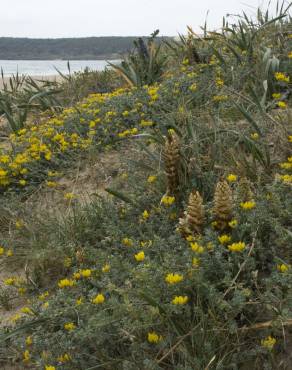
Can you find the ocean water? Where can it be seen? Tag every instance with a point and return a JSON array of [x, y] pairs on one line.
[[48, 67]]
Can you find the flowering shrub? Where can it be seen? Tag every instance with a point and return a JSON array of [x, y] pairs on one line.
[[188, 264]]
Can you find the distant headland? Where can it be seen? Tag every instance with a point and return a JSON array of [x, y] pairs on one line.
[[88, 48]]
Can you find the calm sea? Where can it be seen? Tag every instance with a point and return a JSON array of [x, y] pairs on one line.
[[48, 67]]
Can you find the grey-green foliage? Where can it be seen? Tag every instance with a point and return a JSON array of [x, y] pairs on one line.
[[22, 95], [145, 64]]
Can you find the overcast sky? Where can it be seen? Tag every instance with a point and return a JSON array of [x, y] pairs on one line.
[[81, 18]]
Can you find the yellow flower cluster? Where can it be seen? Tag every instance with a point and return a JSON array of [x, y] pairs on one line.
[[69, 326], [236, 247], [127, 133], [180, 300], [224, 239], [287, 178], [127, 242], [153, 337], [64, 358], [167, 200], [65, 283], [268, 342], [248, 205], [98, 299], [173, 278], [153, 93], [151, 179], [282, 104], [231, 177], [51, 138], [197, 248], [283, 267], [219, 98], [139, 257], [280, 76]]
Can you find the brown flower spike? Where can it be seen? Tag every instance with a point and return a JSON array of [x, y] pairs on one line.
[[223, 205], [192, 222]]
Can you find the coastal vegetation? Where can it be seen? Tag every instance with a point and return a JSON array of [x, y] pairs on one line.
[[145, 211]]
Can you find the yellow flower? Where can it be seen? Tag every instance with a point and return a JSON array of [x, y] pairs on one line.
[[248, 205], [27, 310], [193, 87], [69, 196], [290, 55], [69, 326], [167, 200], [173, 278], [127, 242], [28, 341], [231, 177], [154, 337], [254, 136], [268, 342], [22, 182], [276, 96], [223, 239], [186, 62], [196, 262], [145, 215], [282, 105], [49, 367], [64, 283], [233, 223], [282, 267], [180, 300], [237, 247], [51, 184], [280, 76], [218, 98], [79, 301], [210, 246], [85, 273], [144, 123], [197, 248], [286, 165], [10, 281], [21, 291], [76, 276], [99, 299], [219, 82], [106, 268], [64, 358], [26, 356], [139, 257], [19, 224], [151, 179], [2, 251], [9, 253]]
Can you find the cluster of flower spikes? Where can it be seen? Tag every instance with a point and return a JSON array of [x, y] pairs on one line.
[[193, 220]]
